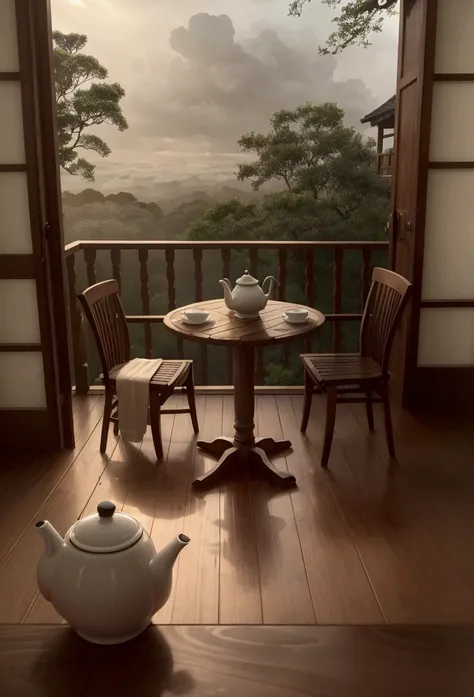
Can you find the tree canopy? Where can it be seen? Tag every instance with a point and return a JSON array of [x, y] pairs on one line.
[[327, 172], [355, 22], [79, 108]]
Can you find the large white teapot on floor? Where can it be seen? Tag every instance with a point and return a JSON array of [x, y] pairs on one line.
[[247, 298], [105, 577]]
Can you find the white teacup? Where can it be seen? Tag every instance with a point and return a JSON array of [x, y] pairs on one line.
[[296, 314], [195, 316]]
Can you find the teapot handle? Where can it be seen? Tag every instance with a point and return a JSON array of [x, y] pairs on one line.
[[270, 278]]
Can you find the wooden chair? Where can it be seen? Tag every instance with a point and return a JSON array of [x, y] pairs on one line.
[[344, 377], [104, 311]]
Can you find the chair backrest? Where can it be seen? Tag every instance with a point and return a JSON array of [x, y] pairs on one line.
[[104, 311], [388, 296]]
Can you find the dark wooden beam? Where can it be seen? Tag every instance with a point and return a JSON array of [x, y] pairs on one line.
[[12, 168], [19, 348], [454, 77], [17, 266], [447, 303], [12, 76], [451, 165]]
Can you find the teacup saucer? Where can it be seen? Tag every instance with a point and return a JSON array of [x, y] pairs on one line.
[[193, 322], [294, 321]]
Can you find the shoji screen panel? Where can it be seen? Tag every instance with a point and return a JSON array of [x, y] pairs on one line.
[[446, 333], [26, 367]]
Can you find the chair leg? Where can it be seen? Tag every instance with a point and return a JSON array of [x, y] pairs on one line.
[[329, 428], [192, 400], [106, 419], [308, 398], [155, 422], [388, 421], [370, 410]]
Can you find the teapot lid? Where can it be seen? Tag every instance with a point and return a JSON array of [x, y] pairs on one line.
[[247, 280], [105, 531]]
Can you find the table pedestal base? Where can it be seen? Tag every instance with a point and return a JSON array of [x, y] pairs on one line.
[[234, 457]]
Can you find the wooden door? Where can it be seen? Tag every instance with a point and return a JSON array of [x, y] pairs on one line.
[[412, 134], [35, 389]]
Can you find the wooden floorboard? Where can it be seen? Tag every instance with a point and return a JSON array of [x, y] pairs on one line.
[[286, 596], [271, 661], [341, 590], [240, 598], [368, 541]]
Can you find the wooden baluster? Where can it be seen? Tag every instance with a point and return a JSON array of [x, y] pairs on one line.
[[197, 256], [79, 349], [282, 274], [337, 295], [282, 259], [225, 253], [145, 296], [115, 257], [253, 258], [366, 275], [198, 278], [90, 257], [170, 277], [309, 289]]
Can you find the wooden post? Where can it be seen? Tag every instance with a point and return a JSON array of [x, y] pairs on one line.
[[115, 257], [337, 297], [170, 277], [79, 350], [244, 405], [145, 296], [309, 289], [366, 276], [380, 132]]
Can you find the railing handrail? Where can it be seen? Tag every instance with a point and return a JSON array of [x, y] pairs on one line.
[[74, 247], [309, 250]]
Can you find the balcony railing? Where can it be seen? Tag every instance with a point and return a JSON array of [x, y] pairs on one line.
[[385, 163], [332, 276]]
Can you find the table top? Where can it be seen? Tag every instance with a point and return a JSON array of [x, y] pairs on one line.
[[255, 661], [223, 327]]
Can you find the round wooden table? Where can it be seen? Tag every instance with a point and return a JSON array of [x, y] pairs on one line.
[[243, 336]]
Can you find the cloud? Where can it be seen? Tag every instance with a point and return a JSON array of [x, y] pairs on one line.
[[216, 88]]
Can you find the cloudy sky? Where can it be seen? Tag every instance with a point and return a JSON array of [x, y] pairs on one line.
[[200, 73]]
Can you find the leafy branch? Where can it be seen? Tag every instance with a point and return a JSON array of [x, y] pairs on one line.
[[358, 19]]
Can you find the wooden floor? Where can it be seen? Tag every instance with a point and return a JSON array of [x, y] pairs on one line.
[[46, 661], [365, 542]]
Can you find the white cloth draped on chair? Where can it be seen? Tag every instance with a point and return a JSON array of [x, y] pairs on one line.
[[133, 395]]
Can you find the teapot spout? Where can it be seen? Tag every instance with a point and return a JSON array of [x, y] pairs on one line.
[[162, 563], [52, 539], [229, 301], [53, 545]]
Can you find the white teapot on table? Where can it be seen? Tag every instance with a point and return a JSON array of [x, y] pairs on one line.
[[105, 577], [247, 298]]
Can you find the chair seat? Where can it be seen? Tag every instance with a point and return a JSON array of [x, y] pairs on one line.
[[341, 368], [170, 374]]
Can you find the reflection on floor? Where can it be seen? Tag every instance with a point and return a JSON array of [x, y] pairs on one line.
[[365, 542]]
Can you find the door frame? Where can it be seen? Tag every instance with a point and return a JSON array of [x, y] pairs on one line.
[[423, 74]]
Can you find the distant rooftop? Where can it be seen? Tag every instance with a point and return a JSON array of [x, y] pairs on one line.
[[383, 115]]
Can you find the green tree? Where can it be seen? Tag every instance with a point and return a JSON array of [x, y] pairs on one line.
[[330, 191], [330, 186], [79, 108], [356, 21]]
